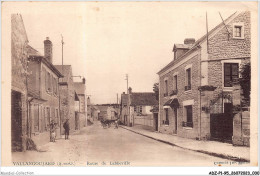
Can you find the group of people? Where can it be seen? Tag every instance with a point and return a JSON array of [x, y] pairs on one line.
[[53, 127]]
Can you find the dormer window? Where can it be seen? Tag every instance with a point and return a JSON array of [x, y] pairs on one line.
[[238, 31]]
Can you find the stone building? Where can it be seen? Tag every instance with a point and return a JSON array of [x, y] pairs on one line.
[[196, 90], [140, 106], [67, 96], [19, 54], [43, 93], [81, 116]]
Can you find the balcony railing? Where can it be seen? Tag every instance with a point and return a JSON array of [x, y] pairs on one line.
[[174, 92], [188, 87], [187, 124]]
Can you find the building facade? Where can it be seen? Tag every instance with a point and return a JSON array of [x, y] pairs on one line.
[[140, 106], [19, 55], [43, 93], [67, 96], [197, 90], [81, 115]]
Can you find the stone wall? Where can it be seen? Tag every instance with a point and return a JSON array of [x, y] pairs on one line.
[[241, 129], [19, 56], [223, 47]]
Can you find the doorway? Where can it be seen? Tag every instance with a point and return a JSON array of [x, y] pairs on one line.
[[155, 119], [16, 121], [175, 120]]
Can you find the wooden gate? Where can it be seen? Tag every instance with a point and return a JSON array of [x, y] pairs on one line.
[[221, 125]]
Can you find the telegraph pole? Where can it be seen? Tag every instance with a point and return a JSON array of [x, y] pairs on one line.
[[62, 43], [128, 102]]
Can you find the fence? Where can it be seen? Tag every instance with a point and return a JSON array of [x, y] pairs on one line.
[[144, 120]]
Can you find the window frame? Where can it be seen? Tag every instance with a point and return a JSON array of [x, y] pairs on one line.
[[230, 74], [166, 121], [241, 25], [184, 122], [166, 87], [187, 85], [238, 61]]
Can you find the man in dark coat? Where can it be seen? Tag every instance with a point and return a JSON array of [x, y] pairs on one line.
[[66, 126]]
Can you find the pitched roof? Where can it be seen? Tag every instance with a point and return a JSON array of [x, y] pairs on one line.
[[79, 87], [140, 98], [182, 46], [65, 71], [102, 108], [32, 52], [143, 98], [204, 37]]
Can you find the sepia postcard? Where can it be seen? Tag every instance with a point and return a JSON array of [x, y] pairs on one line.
[[127, 84]]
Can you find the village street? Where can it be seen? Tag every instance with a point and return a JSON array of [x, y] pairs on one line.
[[94, 146]]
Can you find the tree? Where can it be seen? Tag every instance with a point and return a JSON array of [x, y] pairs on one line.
[[156, 90], [245, 83]]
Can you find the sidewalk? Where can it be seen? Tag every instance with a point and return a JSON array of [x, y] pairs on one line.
[[219, 149]]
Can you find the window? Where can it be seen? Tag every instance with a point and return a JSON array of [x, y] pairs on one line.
[[188, 79], [189, 120], [230, 73], [175, 82], [48, 116], [166, 113], [55, 90], [138, 109], [238, 31], [166, 88], [48, 81], [57, 117]]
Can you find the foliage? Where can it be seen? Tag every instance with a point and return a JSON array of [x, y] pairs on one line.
[[156, 90], [245, 83]]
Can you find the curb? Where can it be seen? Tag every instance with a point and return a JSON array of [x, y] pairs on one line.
[[237, 159]]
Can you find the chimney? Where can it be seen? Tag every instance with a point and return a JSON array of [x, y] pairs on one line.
[[130, 90], [189, 41], [83, 80], [48, 49]]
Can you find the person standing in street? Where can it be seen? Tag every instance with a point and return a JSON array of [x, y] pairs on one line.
[[53, 131], [66, 126]]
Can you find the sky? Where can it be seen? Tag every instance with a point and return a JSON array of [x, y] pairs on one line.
[[104, 41]]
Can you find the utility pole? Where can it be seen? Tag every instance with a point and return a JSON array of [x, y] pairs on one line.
[[62, 43], [128, 102]]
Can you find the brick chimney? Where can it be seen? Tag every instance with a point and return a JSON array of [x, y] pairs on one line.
[[189, 41], [48, 49], [130, 90]]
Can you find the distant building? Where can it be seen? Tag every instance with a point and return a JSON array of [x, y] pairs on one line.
[[67, 96], [140, 106], [43, 92], [19, 56], [197, 90], [107, 112], [81, 114]]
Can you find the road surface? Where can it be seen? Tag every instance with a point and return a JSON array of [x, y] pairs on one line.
[[95, 146]]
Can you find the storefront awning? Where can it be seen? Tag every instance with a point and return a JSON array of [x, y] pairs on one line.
[[171, 103]]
